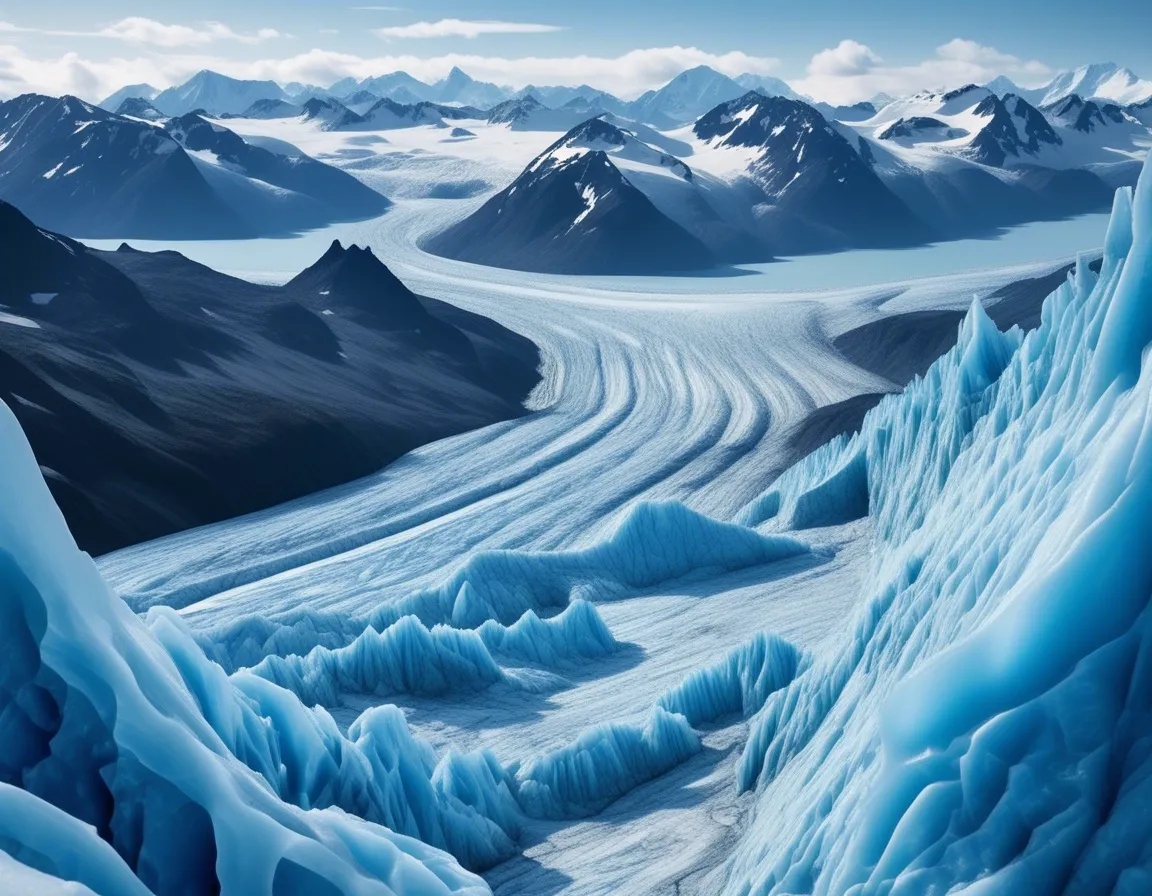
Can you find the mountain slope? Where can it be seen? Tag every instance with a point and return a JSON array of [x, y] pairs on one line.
[[90, 173], [159, 394], [685, 98], [216, 94], [143, 91], [816, 190], [572, 210]]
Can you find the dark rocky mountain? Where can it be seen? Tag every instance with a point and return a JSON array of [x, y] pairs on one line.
[[526, 113], [917, 126], [388, 113], [1085, 116], [88, 172], [159, 394], [1015, 128], [817, 191], [270, 108], [138, 107], [332, 114], [243, 174], [573, 211]]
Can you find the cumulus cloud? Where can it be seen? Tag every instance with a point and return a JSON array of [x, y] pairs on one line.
[[627, 75], [846, 59], [851, 71], [462, 28], [140, 30]]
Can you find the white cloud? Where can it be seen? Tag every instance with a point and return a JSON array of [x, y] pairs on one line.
[[851, 71], [627, 76], [144, 31], [845, 59], [462, 28]]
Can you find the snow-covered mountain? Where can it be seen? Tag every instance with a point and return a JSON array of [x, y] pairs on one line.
[[685, 98], [1104, 81], [767, 85], [216, 94], [360, 101], [388, 114], [461, 89], [399, 86], [817, 190], [273, 191], [572, 97], [331, 114], [88, 172], [144, 91], [573, 210], [526, 113], [1007, 131]]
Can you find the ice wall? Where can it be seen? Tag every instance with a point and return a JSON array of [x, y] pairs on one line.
[[739, 683], [603, 764], [128, 756], [985, 725]]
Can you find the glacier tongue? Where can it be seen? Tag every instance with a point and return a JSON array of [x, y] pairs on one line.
[[985, 724]]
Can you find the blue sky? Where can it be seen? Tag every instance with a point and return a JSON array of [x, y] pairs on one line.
[[835, 50]]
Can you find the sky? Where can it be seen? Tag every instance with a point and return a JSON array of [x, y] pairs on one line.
[[834, 51]]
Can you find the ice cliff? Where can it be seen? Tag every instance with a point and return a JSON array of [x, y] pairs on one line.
[[985, 724]]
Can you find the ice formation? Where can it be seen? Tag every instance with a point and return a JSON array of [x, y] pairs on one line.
[[408, 658], [985, 726], [739, 683], [602, 764], [655, 542], [132, 764]]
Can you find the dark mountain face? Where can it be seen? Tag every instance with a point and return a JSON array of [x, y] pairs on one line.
[[91, 173], [138, 107], [913, 126], [333, 114], [574, 213], [159, 394], [271, 108], [1016, 128], [1085, 116], [820, 193]]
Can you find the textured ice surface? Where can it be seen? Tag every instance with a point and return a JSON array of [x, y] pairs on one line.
[[985, 722], [655, 542], [602, 764], [127, 753], [739, 683]]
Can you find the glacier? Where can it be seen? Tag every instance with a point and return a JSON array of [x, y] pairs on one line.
[[984, 725], [978, 722]]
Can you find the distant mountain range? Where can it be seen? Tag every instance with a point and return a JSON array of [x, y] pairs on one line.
[[681, 101], [1100, 81], [764, 176], [87, 172], [159, 394]]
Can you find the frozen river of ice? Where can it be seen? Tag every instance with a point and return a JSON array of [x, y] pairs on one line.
[[658, 388]]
